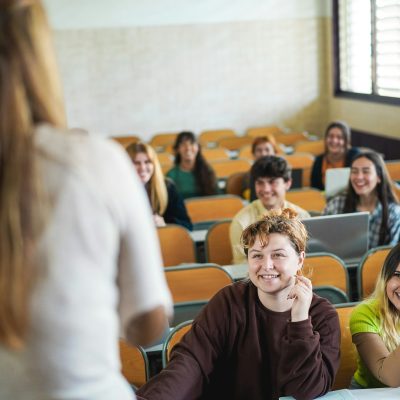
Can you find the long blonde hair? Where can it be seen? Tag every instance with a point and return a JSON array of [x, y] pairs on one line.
[[29, 94], [157, 188], [389, 315]]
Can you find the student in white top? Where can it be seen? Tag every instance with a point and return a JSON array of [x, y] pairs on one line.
[[79, 259]]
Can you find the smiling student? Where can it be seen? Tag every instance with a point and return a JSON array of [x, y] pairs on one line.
[[192, 174], [370, 189], [375, 329], [166, 203], [263, 338], [338, 152], [272, 177]]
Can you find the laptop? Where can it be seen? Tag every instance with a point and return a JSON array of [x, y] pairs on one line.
[[336, 180], [345, 235]]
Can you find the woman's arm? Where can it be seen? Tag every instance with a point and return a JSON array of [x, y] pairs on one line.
[[194, 358], [316, 173], [310, 353], [382, 364], [176, 212]]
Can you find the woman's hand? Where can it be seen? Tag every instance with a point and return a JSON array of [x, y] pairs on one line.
[[159, 220], [302, 295]]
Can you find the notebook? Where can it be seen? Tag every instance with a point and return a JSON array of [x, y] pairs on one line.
[[345, 235], [336, 180]]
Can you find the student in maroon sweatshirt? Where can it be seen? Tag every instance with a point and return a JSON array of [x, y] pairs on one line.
[[266, 337]]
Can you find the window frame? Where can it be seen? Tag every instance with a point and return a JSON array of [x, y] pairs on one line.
[[337, 91]]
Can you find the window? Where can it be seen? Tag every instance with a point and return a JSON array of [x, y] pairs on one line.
[[367, 49]]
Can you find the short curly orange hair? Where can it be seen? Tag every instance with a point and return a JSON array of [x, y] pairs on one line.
[[284, 222]]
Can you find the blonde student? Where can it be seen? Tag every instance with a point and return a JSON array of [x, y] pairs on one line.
[[375, 327]]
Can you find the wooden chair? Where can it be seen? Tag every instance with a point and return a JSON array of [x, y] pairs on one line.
[[303, 161], [393, 168], [369, 268], [224, 168], [234, 183], [174, 337], [165, 158], [289, 139], [196, 282], [192, 286], [326, 269], [218, 245], [210, 137], [217, 153], [315, 147], [125, 141], [213, 208], [135, 364], [162, 139], [176, 244], [331, 293], [307, 198], [235, 142], [348, 352], [264, 131]]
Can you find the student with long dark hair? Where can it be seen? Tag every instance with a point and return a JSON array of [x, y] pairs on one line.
[[192, 174], [370, 189], [78, 260], [375, 328], [338, 152]]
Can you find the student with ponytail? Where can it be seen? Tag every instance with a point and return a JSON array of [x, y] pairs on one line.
[[74, 270]]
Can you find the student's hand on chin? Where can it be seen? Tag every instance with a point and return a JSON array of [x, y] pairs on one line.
[[302, 295]]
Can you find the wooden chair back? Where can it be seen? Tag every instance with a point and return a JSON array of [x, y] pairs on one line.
[[315, 147], [224, 168], [289, 139], [125, 141], [235, 142], [234, 183], [218, 245], [348, 352], [176, 244], [196, 282], [218, 153], [135, 364], [393, 168], [369, 269], [213, 208], [307, 198], [211, 137], [264, 131], [303, 161], [174, 337], [162, 139], [326, 269]]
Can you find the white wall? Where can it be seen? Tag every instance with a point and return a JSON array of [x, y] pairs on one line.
[[89, 14], [143, 67]]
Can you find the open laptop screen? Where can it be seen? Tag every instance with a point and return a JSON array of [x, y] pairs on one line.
[[345, 235]]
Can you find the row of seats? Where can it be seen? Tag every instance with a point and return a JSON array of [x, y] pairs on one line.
[[135, 363]]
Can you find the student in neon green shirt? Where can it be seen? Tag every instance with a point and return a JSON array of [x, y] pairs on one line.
[[375, 328]]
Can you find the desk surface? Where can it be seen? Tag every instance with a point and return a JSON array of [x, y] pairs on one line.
[[359, 394], [236, 271]]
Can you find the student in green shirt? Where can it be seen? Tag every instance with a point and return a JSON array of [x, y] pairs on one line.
[[192, 175], [375, 328]]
